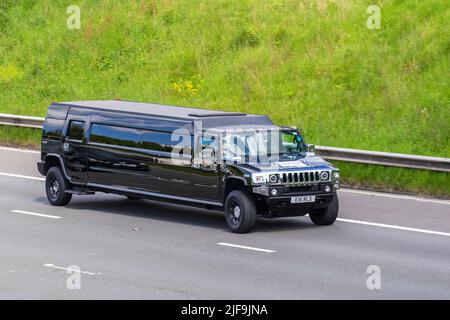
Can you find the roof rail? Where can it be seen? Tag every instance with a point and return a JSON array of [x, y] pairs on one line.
[[216, 114]]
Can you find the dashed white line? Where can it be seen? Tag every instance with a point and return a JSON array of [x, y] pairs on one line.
[[389, 226], [395, 196], [36, 214], [244, 247], [51, 265], [21, 176]]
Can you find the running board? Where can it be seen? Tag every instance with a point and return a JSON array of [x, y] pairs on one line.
[[80, 192]]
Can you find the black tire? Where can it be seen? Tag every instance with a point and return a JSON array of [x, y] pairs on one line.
[[243, 219], [56, 186], [327, 215]]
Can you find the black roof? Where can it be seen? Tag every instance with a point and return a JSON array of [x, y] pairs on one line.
[[150, 109], [210, 118]]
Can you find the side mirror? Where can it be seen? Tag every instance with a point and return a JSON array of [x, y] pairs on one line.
[[311, 149]]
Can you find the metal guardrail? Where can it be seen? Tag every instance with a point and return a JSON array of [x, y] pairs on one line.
[[385, 158], [21, 121], [329, 153]]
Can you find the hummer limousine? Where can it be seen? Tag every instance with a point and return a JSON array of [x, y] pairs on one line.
[[242, 164]]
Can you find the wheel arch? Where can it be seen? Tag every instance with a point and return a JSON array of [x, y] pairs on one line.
[[55, 160], [233, 183]]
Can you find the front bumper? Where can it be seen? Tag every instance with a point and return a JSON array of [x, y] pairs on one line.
[[282, 206]]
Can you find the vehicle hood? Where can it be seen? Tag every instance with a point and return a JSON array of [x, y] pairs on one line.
[[306, 163]]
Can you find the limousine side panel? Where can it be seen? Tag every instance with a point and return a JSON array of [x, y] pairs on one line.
[[121, 167]]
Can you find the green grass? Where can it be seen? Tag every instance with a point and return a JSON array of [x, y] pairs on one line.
[[312, 64], [22, 137], [395, 179]]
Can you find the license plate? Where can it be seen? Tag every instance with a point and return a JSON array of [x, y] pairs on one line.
[[303, 199]]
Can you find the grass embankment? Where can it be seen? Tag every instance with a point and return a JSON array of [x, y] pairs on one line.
[[313, 64]]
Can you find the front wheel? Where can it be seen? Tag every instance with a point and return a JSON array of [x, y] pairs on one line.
[[327, 215], [56, 186], [240, 212]]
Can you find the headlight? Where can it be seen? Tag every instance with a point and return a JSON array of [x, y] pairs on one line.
[[336, 174], [324, 176], [274, 192], [273, 178], [258, 179]]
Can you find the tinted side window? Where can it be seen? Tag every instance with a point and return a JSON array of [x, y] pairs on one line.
[[76, 130], [115, 135], [162, 141], [53, 128]]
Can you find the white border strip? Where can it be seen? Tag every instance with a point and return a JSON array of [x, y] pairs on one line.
[[36, 214], [244, 247], [394, 196], [389, 226], [21, 176]]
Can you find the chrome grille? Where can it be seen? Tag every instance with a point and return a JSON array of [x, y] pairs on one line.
[[300, 177]]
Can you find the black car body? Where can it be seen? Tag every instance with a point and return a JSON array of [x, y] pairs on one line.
[[127, 148]]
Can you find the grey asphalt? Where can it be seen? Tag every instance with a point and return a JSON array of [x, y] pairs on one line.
[[148, 250]]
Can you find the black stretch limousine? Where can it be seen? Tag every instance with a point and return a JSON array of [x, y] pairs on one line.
[[240, 163]]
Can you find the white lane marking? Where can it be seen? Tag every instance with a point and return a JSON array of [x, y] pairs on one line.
[[389, 226], [395, 196], [36, 214], [21, 176], [244, 247], [19, 150], [51, 265]]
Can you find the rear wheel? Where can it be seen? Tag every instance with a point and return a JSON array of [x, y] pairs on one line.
[[240, 212], [328, 215], [56, 186]]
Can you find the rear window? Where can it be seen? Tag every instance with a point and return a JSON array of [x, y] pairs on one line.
[[52, 128], [115, 135]]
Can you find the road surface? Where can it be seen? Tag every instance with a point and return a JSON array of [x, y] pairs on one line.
[[148, 250]]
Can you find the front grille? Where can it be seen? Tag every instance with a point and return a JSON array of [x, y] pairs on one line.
[[300, 189], [301, 177]]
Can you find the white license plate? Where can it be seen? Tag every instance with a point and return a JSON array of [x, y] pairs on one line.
[[303, 199]]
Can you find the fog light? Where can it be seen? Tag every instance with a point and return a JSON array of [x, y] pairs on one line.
[[274, 192], [327, 189]]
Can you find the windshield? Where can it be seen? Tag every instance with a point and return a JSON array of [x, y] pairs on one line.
[[263, 146]]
